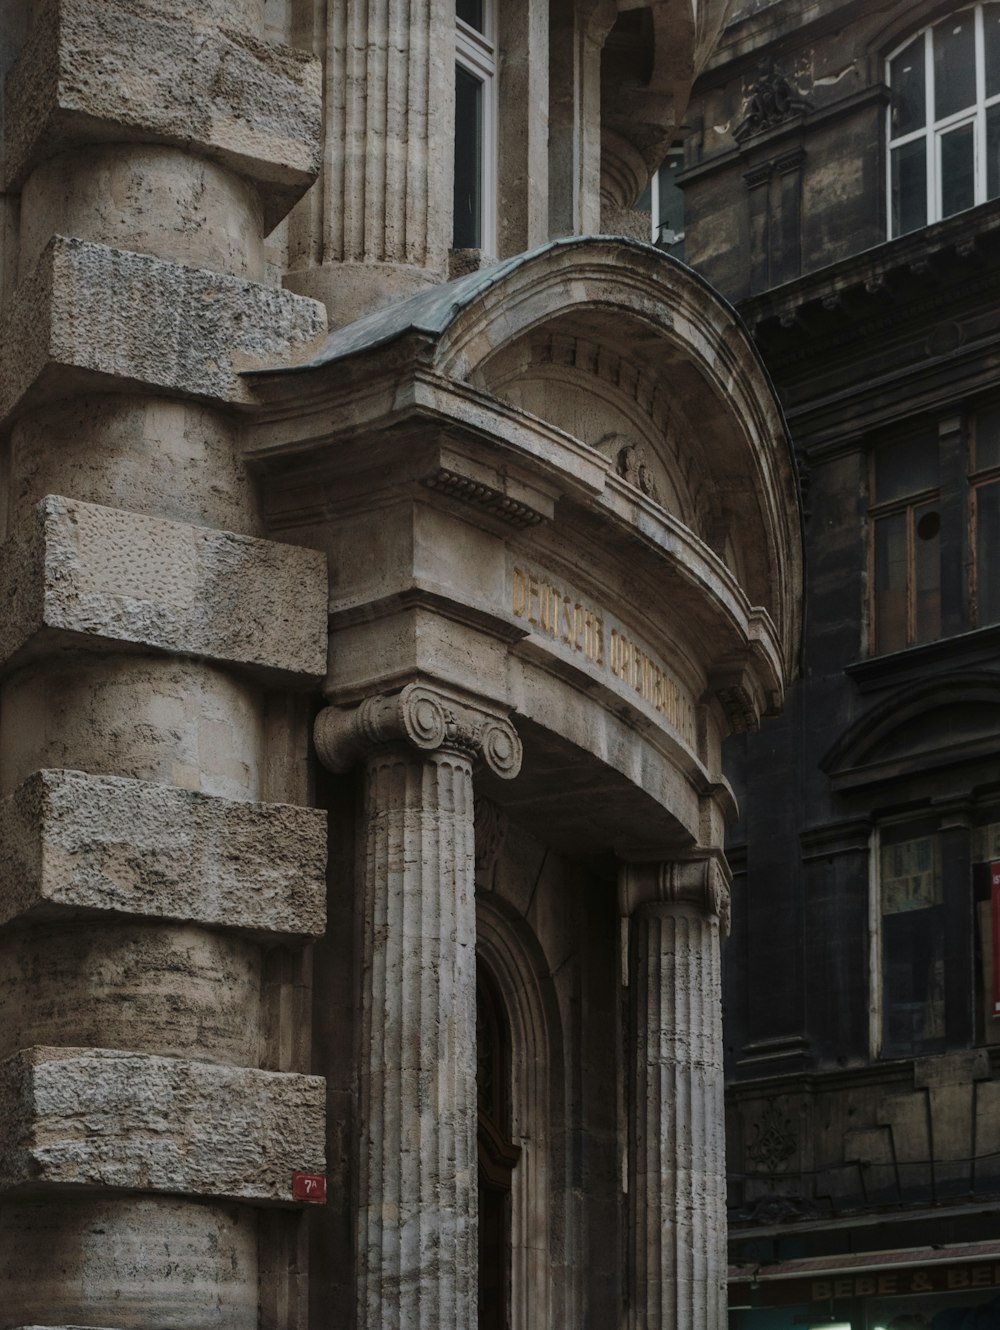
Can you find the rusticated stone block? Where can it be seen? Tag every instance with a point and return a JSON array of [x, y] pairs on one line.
[[78, 842], [111, 576], [96, 1118], [121, 70], [109, 314]]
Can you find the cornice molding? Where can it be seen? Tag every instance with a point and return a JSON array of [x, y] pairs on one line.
[[425, 718]]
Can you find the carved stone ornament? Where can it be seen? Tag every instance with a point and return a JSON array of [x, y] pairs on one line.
[[631, 465], [766, 103], [701, 881], [774, 1141], [424, 717]]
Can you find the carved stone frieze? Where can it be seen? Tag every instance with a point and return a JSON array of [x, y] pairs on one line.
[[702, 881], [426, 718]]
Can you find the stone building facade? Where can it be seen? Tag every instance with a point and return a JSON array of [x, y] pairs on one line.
[[841, 185], [369, 640]]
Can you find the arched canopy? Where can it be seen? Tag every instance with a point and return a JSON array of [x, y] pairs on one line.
[[648, 327], [596, 521]]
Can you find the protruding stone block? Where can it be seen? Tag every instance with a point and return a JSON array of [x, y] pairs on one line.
[[119, 319], [96, 1118], [107, 576], [122, 70], [78, 842]]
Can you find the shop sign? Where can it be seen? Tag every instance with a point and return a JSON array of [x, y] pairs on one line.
[[966, 1277]]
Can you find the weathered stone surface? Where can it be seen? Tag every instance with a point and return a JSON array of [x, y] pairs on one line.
[[177, 990], [111, 314], [112, 576], [91, 1117], [250, 104], [130, 1260], [78, 842]]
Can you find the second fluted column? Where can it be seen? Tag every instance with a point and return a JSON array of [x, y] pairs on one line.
[[677, 1171], [417, 1167]]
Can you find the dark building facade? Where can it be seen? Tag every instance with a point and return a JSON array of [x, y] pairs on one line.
[[842, 187]]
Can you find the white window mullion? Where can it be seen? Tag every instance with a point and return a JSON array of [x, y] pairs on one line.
[[933, 149]]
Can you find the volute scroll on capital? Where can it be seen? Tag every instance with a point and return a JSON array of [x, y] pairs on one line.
[[427, 719], [702, 881]]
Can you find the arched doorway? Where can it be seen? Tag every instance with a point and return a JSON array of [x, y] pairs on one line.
[[498, 1155]]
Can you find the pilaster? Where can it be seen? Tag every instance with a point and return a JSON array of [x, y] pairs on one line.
[[417, 1253], [676, 1199]]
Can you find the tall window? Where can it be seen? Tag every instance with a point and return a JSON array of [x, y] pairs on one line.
[[911, 925], [985, 503], [944, 119], [663, 199], [475, 126], [906, 543]]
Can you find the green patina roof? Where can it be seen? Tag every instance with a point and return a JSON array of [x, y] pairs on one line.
[[431, 311]]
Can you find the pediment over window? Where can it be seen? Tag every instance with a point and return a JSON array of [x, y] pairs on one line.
[[951, 721]]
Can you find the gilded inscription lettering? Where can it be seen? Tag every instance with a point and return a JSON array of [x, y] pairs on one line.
[[561, 617]]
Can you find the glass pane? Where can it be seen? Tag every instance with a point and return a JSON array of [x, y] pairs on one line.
[[468, 160], [912, 946], [909, 187], [909, 92], [958, 179], [671, 200], [906, 467], [927, 571], [988, 553], [955, 64], [987, 438], [471, 12], [890, 583], [991, 32], [993, 152]]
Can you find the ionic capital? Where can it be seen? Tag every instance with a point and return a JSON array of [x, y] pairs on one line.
[[426, 718], [700, 880]]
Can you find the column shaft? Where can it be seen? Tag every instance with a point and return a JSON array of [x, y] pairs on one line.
[[417, 1260], [676, 1148]]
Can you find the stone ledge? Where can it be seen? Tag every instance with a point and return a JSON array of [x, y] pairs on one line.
[[97, 1118], [251, 105], [93, 317], [73, 842], [106, 576]]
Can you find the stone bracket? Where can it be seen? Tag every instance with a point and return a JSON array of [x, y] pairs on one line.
[[74, 842], [428, 719], [98, 1118], [130, 580], [252, 105], [702, 881], [121, 319]]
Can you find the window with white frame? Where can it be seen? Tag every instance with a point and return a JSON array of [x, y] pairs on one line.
[[475, 126], [663, 199], [944, 119]]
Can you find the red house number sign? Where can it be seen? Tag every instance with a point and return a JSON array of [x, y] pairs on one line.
[[309, 1187], [995, 901]]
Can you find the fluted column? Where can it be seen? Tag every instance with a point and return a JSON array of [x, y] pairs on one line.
[[677, 1218], [379, 228], [417, 1238]]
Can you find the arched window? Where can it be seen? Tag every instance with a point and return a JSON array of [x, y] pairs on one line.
[[944, 119], [475, 126]]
